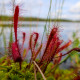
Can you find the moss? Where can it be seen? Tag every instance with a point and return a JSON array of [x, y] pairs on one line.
[[12, 72]]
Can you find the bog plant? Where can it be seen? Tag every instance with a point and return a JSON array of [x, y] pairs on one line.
[[47, 67]]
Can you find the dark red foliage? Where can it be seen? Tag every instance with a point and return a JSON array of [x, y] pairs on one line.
[[64, 46], [52, 33], [15, 53], [52, 48], [16, 14], [34, 36], [33, 41], [52, 45], [15, 49]]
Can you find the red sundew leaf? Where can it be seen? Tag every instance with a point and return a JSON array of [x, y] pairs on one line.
[[15, 53], [16, 14], [49, 55], [51, 51], [74, 49], [32, 44], [36, 38], [64, 46], [24, 36], [53, 45], [52, 33]]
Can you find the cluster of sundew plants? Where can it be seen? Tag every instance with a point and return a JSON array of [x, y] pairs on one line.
[[14, 67]]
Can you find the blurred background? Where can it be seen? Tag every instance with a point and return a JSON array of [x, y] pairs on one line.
[[39, 8]]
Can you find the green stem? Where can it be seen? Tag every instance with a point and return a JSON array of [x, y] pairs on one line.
[[46, 20]]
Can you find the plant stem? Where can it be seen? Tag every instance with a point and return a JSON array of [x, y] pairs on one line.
[[39, 70], [35, 71], [46, 20]]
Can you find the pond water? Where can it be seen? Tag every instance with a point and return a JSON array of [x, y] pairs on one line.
[[66, 30]]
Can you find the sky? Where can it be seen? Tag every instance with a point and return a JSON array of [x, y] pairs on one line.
[[40, 8]]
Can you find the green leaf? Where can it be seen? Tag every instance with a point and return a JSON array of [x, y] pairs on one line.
[[76, 43]]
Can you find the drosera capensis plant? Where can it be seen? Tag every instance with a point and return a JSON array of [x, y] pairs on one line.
[[16, 52], [53, 46], [15, 47], [53, 49]]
